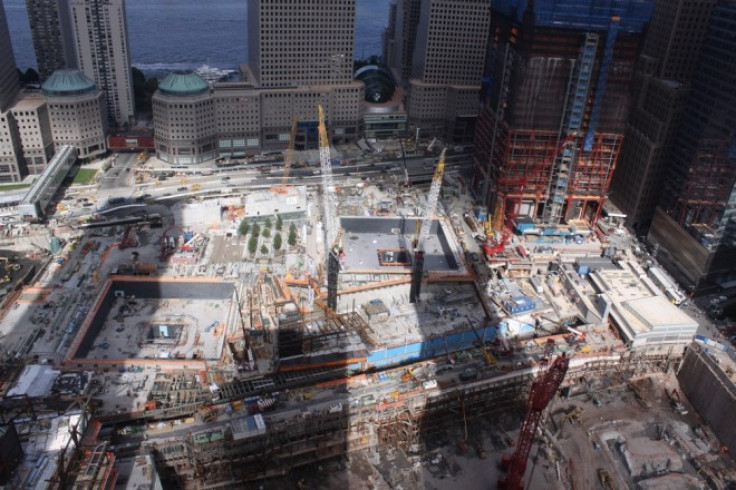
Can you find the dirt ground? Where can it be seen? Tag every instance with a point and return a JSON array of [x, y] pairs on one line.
[[616, 437]]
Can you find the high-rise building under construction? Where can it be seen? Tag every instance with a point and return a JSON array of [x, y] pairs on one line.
[[554, 105], [694, 228]]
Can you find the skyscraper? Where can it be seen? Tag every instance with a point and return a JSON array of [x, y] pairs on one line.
[[660, 87], [439, 48], [402, 36], [9, 83], [101, 39], [293, 42], [301, 55], [51, 30], [554, 106], [694, 228]]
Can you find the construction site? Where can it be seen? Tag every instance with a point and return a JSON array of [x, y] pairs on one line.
[[392, 336]]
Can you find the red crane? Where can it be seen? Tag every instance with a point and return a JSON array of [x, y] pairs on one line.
[[543, 390]]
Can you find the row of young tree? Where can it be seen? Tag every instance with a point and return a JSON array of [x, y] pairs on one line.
[[257, 231]]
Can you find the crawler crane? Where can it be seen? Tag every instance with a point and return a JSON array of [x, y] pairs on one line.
[[543, 389]]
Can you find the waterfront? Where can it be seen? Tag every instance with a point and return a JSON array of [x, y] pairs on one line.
[[220, 27]]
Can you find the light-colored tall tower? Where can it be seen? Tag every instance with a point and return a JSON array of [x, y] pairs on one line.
[[295, 42], [53, 40], [440, 48], [101, 39], [9, 84], [301, 56]]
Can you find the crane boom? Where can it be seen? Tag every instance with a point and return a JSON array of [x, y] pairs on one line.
[[431, 207], [542, 391], [328, 185]]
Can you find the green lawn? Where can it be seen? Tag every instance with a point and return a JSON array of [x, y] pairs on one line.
[[12, 187], [84, 176]]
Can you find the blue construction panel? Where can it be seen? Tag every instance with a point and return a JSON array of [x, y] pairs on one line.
[[600, 90], [591, 15], [434, 347]]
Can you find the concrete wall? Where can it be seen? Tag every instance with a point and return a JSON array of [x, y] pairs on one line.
[[685, 258], [710, 391], [148, 289]]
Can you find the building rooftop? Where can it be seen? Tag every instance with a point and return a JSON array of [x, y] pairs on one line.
[[67, 82], [183, 83]]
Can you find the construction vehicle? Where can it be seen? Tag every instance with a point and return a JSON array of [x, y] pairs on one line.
[[168, 242], [492, 247], [543, 389], [677, 404], [128, 240], [605, 479]]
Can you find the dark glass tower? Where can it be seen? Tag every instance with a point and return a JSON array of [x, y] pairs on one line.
[[694, 228]]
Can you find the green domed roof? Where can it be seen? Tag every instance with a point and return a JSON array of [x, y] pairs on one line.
[[183, 83], [67, 82]]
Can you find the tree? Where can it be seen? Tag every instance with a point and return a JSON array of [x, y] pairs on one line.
[[256, 230], [279, 222], [252, 244], [264, 250], [267, 224], [277, 242], [143, 89], [31, 76], [292, 237], [244, 227], [266, 232], [151, 86]]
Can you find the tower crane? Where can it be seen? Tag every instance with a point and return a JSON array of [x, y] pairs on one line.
[[548, 380], [423, 226], [290, 151], [332, 234]]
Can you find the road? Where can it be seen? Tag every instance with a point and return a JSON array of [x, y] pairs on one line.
[[119, 182]]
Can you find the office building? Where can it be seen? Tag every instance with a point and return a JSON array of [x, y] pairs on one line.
[[76, 109], [659, 92], [184, 97], [694, 228], [51, 30], [101, 38], [438, 53], [9, 83], [9, 87], [301, 55], [31, 115], [401, 36], [554, 106]]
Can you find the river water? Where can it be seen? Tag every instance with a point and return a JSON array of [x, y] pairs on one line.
[[184, 34]]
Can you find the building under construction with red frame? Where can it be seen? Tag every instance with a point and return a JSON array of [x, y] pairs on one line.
[[554, 105]]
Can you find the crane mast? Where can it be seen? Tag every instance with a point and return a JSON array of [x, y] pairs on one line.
[[422, 231], [328, 185], [290, 151], [431, 206], [332, 234]]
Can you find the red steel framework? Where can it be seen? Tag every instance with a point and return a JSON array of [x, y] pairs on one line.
[[527, 158]]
